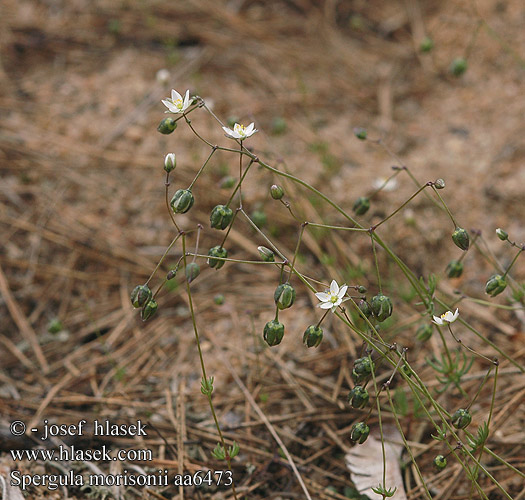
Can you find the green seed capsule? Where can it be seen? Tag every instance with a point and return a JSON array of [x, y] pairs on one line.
[[426, 45], [440, 462], [358, 397], [454, 269], [140, 295], [460, 238], [363, 368], [495, 285], [228, 182], [461, 419], [219, 299], [502, 235], [381, 307], [149, 310], [215, 252], [167, 126], [192, 271], [458, 66], [439, 184], [221, 216], [266, 254], [171, 274], [277, 192], [359, 432], [313, 336], [361, 205], [259, 218], [360, 133], [284, 296], [424, 332], [365, 308], [273, 332], [182, 201]]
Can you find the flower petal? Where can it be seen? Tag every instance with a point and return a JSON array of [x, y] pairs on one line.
[[175, 96], [437, 320], [342, 291], [334, 288], [325, 297], [326, 305], [186, 99]]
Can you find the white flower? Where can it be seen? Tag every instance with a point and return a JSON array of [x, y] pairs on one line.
[[333, 297], [240, 131], [176, 104], [448, 317]]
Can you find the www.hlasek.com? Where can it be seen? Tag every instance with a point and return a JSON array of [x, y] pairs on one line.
[[67, 453]]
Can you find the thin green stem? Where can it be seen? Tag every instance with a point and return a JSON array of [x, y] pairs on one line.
[[170, 246], [403, 205], [512, 263], [203, 369], [213, 150], [301, 232], [445, 206]]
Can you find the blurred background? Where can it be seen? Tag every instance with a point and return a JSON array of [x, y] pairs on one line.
[[83, 217]]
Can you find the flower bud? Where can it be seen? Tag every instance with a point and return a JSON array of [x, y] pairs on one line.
[[364, 307], [502, 235], [460, 238], [440, 462], [266, 254], [381, 307], [495, 285], [439, 184], [359, 432], [192, 271], [259, 218], [461, 419], [219, 299], [313, 336], [182, 201], [424, 332], [273, 332], [454, 269], [363, 368], [215, 252], [284, 296], [170, 162], [361, 289], [358, 397], [360, 133], [171, 274], [361, 205], [167, 126], [149, 310], [221, 216], [140, 295], [458, 66], [277, 192]]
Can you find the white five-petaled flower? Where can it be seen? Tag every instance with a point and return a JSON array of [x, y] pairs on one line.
[[240, 131], [176, 104], [333, 297], [448, 317]]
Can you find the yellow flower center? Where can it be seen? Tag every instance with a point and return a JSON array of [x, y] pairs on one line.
[[334, 299], [178, 103]]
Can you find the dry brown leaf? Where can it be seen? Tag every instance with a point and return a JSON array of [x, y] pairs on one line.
[[365, 463]]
